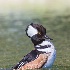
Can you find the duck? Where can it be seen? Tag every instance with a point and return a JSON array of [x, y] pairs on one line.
[[44, 53]]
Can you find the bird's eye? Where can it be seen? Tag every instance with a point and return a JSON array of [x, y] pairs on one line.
[[39, 33]]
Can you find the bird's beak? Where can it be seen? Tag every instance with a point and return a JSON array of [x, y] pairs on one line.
[[47, 37]]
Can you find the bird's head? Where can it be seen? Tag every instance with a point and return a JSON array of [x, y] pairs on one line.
[[36, 32]]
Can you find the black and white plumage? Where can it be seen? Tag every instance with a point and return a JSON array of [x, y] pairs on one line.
[[48, 48], [29, 57], [37, 33], [42, 44]]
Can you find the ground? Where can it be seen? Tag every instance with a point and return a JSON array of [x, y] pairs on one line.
[[14, 43]]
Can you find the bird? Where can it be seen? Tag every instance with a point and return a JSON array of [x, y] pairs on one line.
[[44, 54]]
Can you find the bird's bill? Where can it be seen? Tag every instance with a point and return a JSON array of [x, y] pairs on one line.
[[47, 37]]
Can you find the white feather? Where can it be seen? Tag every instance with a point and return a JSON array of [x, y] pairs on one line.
[[47, 50], [31, 31], [50, 50]]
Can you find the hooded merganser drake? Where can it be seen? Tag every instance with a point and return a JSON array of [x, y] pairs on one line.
[[44, 54]]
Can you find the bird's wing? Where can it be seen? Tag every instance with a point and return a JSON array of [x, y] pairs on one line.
[[37, 63], [28, 58]]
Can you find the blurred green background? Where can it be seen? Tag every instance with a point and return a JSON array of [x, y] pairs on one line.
[[15, 15]]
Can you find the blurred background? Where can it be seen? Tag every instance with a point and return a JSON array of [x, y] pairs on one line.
[[15, 15]]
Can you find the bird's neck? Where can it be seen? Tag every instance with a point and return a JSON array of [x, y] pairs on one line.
[[45, 46]]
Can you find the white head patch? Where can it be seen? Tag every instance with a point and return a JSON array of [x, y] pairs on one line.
[[31, 31]]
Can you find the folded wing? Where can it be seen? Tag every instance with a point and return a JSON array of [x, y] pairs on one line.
[[37, 63], [26, 59]]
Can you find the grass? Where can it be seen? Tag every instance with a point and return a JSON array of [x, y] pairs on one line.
[[14, 43]]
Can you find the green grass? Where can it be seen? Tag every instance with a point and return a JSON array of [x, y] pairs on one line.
[[14, 43]]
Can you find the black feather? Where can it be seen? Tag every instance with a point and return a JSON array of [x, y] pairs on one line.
[[29, 57]]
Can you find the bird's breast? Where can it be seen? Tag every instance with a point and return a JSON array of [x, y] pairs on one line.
[[50, 60]]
